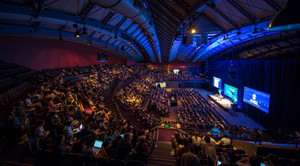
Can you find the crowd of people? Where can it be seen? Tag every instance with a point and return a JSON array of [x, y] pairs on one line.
[[198, 149], [65, 116], [195, 111], [132, 96]]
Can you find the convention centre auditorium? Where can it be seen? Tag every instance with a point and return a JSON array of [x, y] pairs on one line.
[[149, 83]]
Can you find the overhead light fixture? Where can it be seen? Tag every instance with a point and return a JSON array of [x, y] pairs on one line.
[[193, 30], [255, 30], [288, 18], [227, 38], [115, 35], [77, 34], [238, 32], [89, 43], [84, 32]]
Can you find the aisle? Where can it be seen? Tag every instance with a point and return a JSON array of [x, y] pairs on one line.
[[161, 155], [172, 115]]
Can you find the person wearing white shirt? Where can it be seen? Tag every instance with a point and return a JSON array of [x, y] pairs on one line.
[[224, 141]]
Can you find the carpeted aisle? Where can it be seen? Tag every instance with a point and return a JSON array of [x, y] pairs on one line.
[[161, 155]]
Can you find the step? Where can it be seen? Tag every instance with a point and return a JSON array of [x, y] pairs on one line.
[[162, 156], [161, 163]]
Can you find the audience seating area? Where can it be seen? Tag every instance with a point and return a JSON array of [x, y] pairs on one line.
[[196, 112], [56, 116]]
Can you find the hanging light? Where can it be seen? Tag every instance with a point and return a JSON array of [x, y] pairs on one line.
[[84, 32], [77, 34], [255, 31], [89, 43], [288, 18], [193, 30], [227, 38]]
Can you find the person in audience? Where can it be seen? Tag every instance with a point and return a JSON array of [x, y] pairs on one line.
[[252, 160], [272, 160], [181, 150], [212, 141], [209, 149], [190, 158], [124, 148], [196, 140], [224, 141]]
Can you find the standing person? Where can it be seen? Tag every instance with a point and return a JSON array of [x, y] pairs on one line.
[[190, 158], [209, 150]]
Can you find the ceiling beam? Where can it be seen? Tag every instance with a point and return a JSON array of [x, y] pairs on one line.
[[242, 10], [128, 27], [225, 17], [86, 9], [107, 17], [61, 17], [254, 56], [117, 26], [182, 4], [157, 9], [170, 9], [273, 4], [253, 45]]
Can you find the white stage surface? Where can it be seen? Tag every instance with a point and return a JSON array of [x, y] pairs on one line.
[[226, 103]]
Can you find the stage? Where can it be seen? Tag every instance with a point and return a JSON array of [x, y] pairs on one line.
[[223, 103]]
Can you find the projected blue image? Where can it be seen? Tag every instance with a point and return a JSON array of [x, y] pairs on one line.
[[257, 99], [217, 82], [231, 92]]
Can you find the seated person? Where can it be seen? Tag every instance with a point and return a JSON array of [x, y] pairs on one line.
[[224, 141]]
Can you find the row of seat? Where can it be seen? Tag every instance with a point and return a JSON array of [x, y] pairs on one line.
[[12, 94]]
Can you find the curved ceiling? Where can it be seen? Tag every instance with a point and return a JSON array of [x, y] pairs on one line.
[[153, 30]]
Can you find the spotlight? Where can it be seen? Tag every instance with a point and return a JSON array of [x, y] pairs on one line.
[[227, 38], [77, 34], [193, 30], [115, 35], [238, 33]]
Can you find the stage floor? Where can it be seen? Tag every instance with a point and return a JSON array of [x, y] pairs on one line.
[[226, 103]]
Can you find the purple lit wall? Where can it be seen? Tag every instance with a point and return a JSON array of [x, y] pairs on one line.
[[48, 53]]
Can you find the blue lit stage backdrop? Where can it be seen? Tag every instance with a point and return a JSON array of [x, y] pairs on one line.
[[231, 92], [258, 99]]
